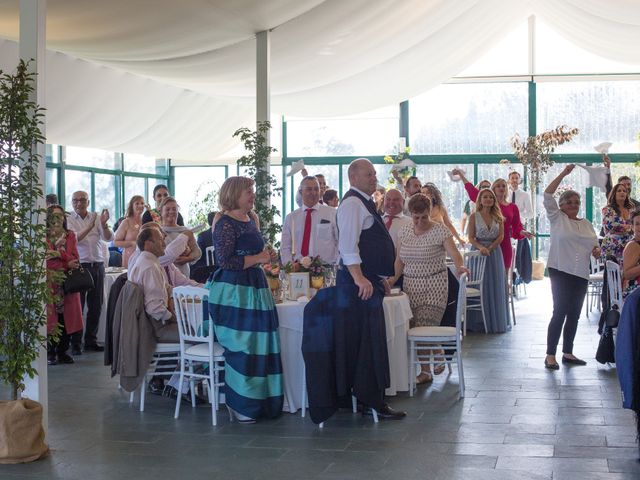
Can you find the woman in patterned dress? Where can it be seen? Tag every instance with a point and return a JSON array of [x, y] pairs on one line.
[[420, 256], [129, 228], [616, 223], [242, 308], [631, 258], [486, 232]]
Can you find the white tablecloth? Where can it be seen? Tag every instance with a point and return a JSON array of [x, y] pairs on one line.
[[397, 314], [109, 278]]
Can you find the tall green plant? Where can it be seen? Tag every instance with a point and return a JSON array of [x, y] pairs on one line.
[[23, 286], [257, 163]]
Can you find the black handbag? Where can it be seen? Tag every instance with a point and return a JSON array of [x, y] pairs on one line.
[[78, 280], [606, 348]]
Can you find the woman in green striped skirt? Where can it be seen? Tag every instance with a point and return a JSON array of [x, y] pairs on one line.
[[242, 308]]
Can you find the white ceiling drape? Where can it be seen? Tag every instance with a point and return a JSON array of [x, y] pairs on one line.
[[175, 79]]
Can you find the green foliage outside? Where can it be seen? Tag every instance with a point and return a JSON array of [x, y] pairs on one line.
[[205, 200], [23, 286], [257, 162]]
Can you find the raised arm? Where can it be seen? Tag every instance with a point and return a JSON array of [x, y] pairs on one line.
[[555, 183]]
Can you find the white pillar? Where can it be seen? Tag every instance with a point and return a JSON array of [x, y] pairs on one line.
[[32, 44], [263, 82]]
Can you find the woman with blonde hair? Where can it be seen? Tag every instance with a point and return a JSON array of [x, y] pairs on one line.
[[486, 233], [242, 309], [439, 213], [168, 210], [510, 213], [129, 228]]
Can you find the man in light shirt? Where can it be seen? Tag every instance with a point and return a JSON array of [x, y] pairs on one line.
[[311, 229], [521, 198], [90, 229], [156, 283], [393, 217], [367, 258]]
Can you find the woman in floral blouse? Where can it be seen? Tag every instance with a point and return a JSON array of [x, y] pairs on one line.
[[616, 223]]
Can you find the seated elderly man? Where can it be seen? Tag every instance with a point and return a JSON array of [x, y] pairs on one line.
[[155, 283], [311, 230], [393, 217]]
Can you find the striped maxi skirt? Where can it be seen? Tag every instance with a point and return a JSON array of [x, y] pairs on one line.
[[246, 325]]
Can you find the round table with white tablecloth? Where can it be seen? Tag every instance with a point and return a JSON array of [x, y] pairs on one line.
[[397, 314], [111, 273]]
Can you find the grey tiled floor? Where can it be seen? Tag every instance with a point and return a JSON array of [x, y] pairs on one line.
[[518, 421]]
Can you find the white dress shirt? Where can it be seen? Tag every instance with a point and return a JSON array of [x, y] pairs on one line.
[[149, 275], [353, 217], [396, 225], [171, 251], [571, 241], [323, 240], [89, 248], [523, 202]]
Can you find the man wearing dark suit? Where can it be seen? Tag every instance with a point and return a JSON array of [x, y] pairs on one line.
[[367, 256]]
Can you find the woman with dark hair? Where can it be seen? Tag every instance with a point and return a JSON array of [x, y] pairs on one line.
[[616, 223], [242, 308], [129, 228], [66, 311], [439, 213], [631, 257], [420, 256], [573, 241]]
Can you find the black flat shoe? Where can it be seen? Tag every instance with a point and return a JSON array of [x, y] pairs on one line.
[[387, 413], [573, 361], [94, 348], [65, 358], [51, 360], [551, 366]]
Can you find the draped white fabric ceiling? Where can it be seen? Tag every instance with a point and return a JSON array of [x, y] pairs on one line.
[[176, 78]]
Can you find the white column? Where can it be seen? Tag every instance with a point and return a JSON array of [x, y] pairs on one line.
[[263, 80], [33, 15]]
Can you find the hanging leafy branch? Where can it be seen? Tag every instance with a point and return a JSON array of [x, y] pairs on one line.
[[257, 163], [23, 287]]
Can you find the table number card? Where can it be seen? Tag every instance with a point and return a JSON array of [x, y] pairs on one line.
[[298, 285]]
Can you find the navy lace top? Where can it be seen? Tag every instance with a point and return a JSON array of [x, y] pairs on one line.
[[233, 240]]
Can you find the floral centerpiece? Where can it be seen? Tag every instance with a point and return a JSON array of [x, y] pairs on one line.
[[535, 152], [402, 165], [535, 155], [272, 272], [312, 265]]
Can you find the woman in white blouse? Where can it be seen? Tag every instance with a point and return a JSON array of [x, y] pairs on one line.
[[573, 241]]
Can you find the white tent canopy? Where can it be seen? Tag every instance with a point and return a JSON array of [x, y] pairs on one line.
[[176, 79]]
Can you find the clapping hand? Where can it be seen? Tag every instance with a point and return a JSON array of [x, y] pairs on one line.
[[104, 216]]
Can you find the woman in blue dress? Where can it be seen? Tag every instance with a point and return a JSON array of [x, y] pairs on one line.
[[242, 308], [486, 231]]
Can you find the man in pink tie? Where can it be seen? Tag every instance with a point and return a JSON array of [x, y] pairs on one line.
[[311, 229], [393, 217]]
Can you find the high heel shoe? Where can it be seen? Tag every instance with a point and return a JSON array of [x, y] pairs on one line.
[[239, 417]]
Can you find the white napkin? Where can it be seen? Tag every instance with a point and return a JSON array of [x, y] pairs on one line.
[[602, 148], [407, 162], [597, 176], [296, 167], [452, 177]]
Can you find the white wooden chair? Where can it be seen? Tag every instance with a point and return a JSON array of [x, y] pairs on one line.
[[447, 338], [614, 284], [163, 364], [209, 255], [200, 349], [594, 287], [476, 263]]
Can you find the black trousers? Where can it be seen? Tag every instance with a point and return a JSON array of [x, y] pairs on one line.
[[93, 299], [568, 293], [62, 344]]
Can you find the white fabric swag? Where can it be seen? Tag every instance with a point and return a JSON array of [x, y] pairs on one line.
[[176, 79]]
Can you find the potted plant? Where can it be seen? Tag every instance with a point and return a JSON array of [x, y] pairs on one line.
[[257, 162], [23, 286]]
